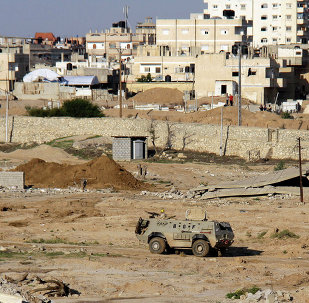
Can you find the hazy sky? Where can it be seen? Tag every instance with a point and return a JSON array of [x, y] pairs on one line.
[[75, 17]]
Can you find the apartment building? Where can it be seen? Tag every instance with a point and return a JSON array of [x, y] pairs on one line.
[[168, 67], [13, 66], [273, 21], [197, 36], [119, 36], [217, 74]]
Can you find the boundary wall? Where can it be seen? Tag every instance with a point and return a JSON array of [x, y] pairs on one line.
[[246, 142]]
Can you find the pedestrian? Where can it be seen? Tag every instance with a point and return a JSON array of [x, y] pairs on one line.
[[269, 109], [84, 184], [231, 100], [227, 100], [261, 108]]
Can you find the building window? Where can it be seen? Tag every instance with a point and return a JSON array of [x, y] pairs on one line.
[[224, 47], [264, 17], [288, 28], [288, 17], [263, 29], [158, 70], [234, 74], [275, 40], [112, 45], [204, 31], [264, 40], [224, 32], [205, 47], [228, 6], [215, 6], [288, 39], [275, 28], [242, 6], [289, 5], [165, 31], [264, 5], [185, 31], [275, 17], [275, 5], [94, 46], [147, 69]]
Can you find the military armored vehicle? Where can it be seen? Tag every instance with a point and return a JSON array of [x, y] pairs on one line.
[[195, 233]]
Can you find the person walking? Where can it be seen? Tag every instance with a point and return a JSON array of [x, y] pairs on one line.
[[231, 100]]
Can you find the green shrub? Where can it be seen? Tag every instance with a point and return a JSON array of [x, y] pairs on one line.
[[286, 116], [77, 108], [238, 293], [261, 235], [284, 234], [144, 78], [279, 166]]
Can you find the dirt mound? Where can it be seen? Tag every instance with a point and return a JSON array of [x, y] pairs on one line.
[[45, 152], [162, 96], [230, 114], [100, 173]]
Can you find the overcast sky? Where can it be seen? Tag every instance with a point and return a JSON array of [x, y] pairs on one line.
[[75, 17]]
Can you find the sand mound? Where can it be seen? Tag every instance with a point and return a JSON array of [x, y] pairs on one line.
[[44, 152], [100, 173], [167, 96]]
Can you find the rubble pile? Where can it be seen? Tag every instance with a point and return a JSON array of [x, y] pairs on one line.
[[267, 295], [33, 289], [199, 193]]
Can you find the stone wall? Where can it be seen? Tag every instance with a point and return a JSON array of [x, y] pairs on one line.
[[238, 141], [12, 180]]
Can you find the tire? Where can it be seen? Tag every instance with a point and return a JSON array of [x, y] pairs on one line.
[[200, 248], [157, 245]]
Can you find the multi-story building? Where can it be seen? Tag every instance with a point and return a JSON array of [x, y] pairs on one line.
[[217, 74], [13, 66], [107, 44], [274, 21], [197, 36]]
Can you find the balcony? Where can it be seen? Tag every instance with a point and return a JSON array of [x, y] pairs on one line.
[[300, 10]]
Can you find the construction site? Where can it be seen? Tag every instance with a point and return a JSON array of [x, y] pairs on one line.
[[68, 211]]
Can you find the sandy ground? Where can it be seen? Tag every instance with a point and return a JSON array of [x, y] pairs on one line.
[[230, 114], [115, 267]]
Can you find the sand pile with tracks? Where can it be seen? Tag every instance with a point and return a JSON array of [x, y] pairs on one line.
[[100, 173], [162, 96]]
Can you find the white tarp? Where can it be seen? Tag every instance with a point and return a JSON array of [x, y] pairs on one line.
[[42, 74], [80, 80]]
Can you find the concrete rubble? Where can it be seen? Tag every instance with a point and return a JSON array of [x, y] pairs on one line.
[[267, 296]]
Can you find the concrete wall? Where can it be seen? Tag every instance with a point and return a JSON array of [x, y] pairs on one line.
[[238, 141], [12, 180]]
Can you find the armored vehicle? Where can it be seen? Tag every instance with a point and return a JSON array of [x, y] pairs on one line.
[[195, 233]]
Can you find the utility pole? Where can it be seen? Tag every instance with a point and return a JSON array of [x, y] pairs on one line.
[[120, 85], [239, 84], [300, 173], [221, 134]]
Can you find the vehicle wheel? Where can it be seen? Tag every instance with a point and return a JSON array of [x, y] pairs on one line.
[[200, 248], [157, 245]]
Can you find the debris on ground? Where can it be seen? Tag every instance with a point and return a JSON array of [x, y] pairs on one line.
[[266, 295], [34, 289]]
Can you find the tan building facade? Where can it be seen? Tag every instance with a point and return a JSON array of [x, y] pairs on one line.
[[195, 35], [13, 66], [218, 75], [107, 44]]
